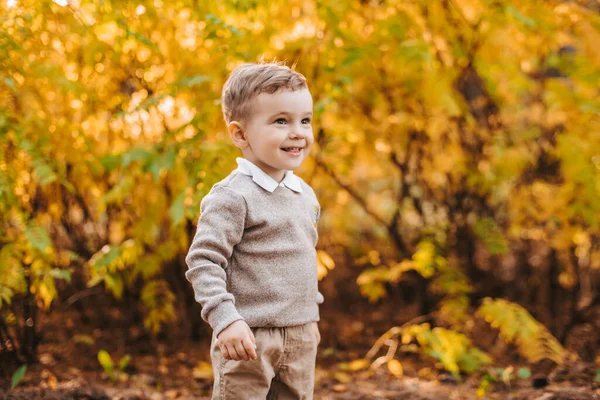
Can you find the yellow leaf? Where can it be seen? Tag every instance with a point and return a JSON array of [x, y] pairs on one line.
[[324, 264], [85, 339], [342, 377], [203, 371], [358, 364], [339, 388], [107, 32], [395, 368], [506, 374], [397, 270]]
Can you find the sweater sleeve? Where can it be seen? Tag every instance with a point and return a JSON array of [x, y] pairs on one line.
[[320, 299], [220, 228]]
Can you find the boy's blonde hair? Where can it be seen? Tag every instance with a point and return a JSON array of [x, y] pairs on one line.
[[249, 80]]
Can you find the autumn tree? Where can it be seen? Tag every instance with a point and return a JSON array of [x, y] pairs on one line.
[[456, 150]]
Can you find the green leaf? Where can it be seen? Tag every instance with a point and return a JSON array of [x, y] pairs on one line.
[[105, 257], [321, 105], [107, 363], [110, 161], [424, 259], [124, 361], [177, 209], [160, 162], [484, 385], [148, 266], [168, 160], [530, 23], [43, 171], [18, 376], [135, 154], [61, 274], [138, 36], [190, 81], [154, 166], [38, 237], [490, 233], [373, 290], [354, 54], [95, 280], [413, 50], [84, 339], [119, 191], [115, 284], [524, 373], [589, 107], [328, 352], [10, 82], [598, 375], [6, 295]]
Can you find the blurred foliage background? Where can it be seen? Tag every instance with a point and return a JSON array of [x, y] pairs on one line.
[[457, 161]]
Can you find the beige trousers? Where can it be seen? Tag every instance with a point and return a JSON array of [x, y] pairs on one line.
[[284, 368]]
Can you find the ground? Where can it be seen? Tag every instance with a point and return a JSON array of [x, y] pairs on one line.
[[171, 368]]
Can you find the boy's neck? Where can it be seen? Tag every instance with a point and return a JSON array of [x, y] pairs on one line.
[[277, 175]]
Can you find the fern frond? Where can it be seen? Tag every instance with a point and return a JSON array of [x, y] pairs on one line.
[[425, 261], [452, 349], [491, 235], [159, 300], [43, 170], [108, 263], [455, 310], [38, 238], [517, 326], [12, 273]]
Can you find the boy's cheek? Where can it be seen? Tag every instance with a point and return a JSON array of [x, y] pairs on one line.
[[308, 149]]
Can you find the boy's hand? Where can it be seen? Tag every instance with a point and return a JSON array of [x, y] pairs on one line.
[[237, 342], [315, 328]]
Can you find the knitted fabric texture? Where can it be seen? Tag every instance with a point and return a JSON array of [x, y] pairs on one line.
[[253, 255]]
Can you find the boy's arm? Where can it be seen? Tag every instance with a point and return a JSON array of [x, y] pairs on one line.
[[220, 228]]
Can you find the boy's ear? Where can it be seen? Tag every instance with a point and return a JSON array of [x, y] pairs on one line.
[[237, 134]]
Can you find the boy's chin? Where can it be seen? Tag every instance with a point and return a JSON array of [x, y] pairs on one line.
[[292, 166], [289, 165]]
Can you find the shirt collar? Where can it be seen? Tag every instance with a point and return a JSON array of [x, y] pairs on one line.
[[263, 180]]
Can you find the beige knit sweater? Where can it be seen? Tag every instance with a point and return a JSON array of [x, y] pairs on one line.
[[253, 255]]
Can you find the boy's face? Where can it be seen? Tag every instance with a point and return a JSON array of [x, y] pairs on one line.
[[277, 136]]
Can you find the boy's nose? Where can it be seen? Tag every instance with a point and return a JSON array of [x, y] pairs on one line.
[[294, 134]]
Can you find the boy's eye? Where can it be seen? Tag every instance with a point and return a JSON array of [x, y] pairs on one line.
[[280, 121], [306, 121]]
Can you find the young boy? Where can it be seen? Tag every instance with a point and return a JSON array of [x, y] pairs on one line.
[[252, 262]]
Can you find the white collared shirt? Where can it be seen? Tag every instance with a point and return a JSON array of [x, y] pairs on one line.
[[262, 179]]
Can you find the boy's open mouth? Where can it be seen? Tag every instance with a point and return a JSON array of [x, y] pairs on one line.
[[291, 149]]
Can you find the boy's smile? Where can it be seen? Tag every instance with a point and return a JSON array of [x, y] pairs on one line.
[[277, 136]]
